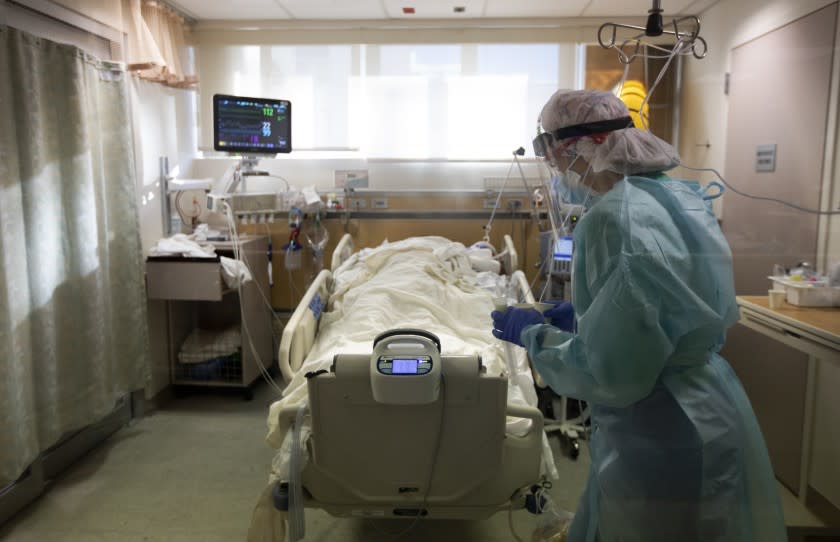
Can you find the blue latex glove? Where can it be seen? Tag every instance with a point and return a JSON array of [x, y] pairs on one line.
[[561, 316], [508, 325]]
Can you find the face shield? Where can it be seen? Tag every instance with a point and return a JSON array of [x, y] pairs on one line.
[[558, 148]]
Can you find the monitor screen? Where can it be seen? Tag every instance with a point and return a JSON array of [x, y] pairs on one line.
[[251, 125], [405, 366], [563, 249]]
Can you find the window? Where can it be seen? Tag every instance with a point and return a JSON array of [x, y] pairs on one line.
[[437, 101]]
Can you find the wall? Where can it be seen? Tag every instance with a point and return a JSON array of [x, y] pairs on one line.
[[725, 25], [164, 125], [383, 174], [107, 12]]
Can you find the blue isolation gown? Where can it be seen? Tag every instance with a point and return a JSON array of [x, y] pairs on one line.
[[677, 454]]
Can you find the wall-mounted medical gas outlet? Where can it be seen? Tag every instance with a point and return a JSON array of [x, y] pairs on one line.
[[514, 204], [359, 203]]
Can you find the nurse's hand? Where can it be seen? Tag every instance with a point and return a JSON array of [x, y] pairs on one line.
[[508, 325], [561, 316]]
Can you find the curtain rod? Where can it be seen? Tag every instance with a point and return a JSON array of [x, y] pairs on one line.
[[180, 11]]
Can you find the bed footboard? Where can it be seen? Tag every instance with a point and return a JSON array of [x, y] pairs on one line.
[[299, 333]]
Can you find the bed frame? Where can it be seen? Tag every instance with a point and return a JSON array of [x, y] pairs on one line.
[[357, 464]]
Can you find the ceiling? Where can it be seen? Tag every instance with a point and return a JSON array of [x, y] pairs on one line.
[[290, 10]]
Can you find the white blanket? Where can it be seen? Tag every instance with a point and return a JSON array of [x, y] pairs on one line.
[[427, 283]]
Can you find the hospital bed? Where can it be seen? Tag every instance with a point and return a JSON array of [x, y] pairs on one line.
[[470, 449]]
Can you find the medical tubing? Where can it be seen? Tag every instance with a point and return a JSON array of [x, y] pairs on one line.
[[552, 223], [237, 255], [237, 252], [437, 441], [762, 198], [259, 288], [556, 213], [525, 185], [297, 520], [510, 524], [545, 287], [262, 292], [677, 48], [293, 289], [624, 79], [552, 207], [498, 200], [564, 225]]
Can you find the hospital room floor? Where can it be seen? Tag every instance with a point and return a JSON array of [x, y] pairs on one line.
[[192, 471]]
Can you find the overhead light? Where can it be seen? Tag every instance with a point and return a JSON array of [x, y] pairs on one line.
[[459, 9], [408, 11]]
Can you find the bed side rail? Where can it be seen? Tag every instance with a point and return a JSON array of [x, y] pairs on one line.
[[523, 289], [342, 251], [510, 262], [299, 333], [524, 294]]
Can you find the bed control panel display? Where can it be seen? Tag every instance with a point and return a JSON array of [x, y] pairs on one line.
[[393, 365]]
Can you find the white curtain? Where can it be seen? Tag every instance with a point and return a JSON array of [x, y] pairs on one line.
[[73, 331], [157, 47]]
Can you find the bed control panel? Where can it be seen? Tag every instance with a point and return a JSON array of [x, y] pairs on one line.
[[404, 366]]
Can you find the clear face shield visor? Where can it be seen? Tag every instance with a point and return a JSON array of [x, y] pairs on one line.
[[558, 156]]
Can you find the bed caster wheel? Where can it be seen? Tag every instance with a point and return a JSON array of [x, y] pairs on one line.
[[574, 449], [280, 496], [247, 394]]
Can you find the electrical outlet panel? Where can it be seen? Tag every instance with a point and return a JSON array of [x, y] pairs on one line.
[[359, 203], [379, 203]]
